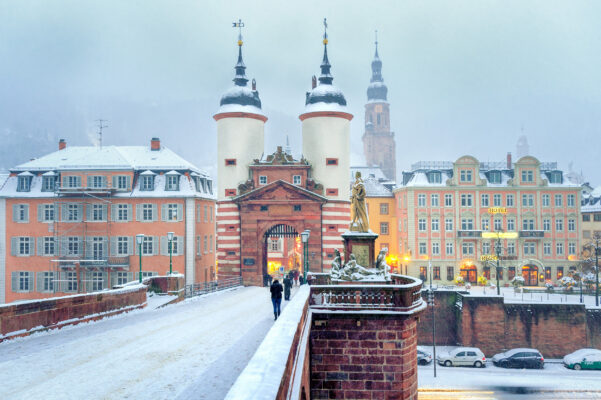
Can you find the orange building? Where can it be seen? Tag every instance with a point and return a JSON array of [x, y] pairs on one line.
[[69, 220]]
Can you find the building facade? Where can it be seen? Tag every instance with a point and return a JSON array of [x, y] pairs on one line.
[[379, 146], [453, 214], [69, 220], [264, 198], [591, 216]]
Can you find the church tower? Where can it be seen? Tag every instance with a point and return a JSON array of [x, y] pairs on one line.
[[326, 133], [378, 141]]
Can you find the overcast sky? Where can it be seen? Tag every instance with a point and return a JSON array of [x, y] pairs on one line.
[[463, 77]]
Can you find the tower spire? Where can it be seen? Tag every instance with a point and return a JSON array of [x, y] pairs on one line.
[[240, 78], [325, 78], [376, 55]]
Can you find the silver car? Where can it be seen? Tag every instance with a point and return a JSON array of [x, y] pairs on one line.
[[462, 356]]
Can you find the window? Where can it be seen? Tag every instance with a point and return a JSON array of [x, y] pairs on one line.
[[500, 273], [596, 217], [422, 248], [555, 177], [47, 213], [147, 212], [123, 212], [22, 281], [96, 182], [547, 249], [571, 248], [121, 182], [20, 212], [172, 182], [449, 248], [571, 200], [559, 272], [122, 278], [72, 246], [435, 225], [229, 162], [210, 243], [46, 281], [510, 249], [527, 200], [559, 249], [423, 273], [147, 183], [70, 282], [466, 200], [332, 192], [264, 208], [331, 161], [509, 200], [123, 246], [545, 200], [206, 244], [485, 225], [558, 200], [465, 175], [96, 280], [436, 273], [262, 180], [147, 246], [496, 200], [448, 200], [486, 248], [173, 245], [467, 248], [435, 249], [559, 224], [48, 183], [547, 224], [384, 208], [486, 273], [71, 212], [510, 273], [510, 224], [172, 212], [24, 183], [494, 177], [498, 224], [47, 247], [484, 200], [448, 224], [571, 225], [72, 181], [467, 224], [450, 273], [383, 228], [296, 179], [297, 207], [97, 247], [547, 273], [434, 200], [421, 224], [97, 212], [434, 177], [528, 224], [22, 246], [529, 249], [527, 176], [421, 200]]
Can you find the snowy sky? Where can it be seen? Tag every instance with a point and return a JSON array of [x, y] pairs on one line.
[[462, 76]]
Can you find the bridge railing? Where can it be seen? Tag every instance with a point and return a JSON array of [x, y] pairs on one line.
[[198, 289]]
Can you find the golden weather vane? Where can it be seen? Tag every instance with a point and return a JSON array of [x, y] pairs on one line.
[[239, 25], [325, 31]]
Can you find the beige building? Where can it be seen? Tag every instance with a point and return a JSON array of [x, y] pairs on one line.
[[591, 215]]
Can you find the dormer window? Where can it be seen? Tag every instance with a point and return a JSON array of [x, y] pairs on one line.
[[494, 177], [465, 175], [262, 180], [97, 182], [24, 183], [434, 177], [48, 183], [72, 181], [147, 183], [555, 177], [210, 186], [527, 176], [172, 182]]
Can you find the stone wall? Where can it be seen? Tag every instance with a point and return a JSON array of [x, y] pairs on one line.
[[25, 318], [174, 284], [593, 332], [445, 312], [363, 356]]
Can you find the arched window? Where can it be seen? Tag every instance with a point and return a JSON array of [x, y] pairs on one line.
[[378, 118]]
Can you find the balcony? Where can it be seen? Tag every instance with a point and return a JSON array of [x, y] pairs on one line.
[[469, 233], [110, 262], [532, 234]]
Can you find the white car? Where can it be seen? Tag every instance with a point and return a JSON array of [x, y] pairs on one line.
[[462, 356], [583, 359]]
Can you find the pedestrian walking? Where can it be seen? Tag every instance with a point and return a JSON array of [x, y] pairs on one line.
[[300, 280], [276, 298], [296, 276], [269, 279], [287, 287]]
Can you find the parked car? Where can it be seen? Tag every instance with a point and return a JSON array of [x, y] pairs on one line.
[[583, 359], [462, 356], [423, 357], [519, 358]]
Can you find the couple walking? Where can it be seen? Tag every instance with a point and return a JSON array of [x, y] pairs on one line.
[[276, 295]]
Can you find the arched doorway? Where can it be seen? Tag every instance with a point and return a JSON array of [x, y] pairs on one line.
[[530, 275], [282, 250], [469, 273]]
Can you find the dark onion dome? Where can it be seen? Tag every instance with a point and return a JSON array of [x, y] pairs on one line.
[[325, 92], [241, 94], [377, 90]]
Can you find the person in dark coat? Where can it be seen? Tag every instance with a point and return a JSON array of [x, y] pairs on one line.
[[296, 276], [287, 287], [276, 298]]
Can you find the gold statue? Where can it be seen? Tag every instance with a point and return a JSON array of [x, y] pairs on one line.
[[359, 222]]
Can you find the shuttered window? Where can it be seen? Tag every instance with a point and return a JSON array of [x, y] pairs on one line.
[[22, 246], [121, 182], [46, 246], [71, 212], [121, 212], [178, 245], [172, 212], [46, 212], [68, 281], [96, 212], [45, 281], [122, 246], [146, 212], [21, 213], [22, 281]]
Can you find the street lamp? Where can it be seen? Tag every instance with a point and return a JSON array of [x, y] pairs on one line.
[[498, 251], [139, 239], [431, 301], [305, 238], [170, 238]]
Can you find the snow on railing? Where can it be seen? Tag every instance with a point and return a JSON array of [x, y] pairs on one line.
[[198, 289]]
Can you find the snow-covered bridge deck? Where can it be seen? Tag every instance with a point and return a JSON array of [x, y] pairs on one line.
[[194, 349]]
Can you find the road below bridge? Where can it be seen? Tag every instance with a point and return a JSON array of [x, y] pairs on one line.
[[194, 349]]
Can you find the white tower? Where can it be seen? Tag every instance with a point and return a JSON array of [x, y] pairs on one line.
[[240, 132], [326, 133]]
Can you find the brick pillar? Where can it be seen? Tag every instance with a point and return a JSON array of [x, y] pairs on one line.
[[363, 356]]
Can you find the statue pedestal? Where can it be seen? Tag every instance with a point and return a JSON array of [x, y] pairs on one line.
[[362, 246]]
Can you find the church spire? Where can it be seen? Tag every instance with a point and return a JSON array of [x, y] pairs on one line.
[[240, 78], [325, 78], [377, 90]]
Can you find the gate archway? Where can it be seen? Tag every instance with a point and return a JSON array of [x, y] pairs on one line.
[[279, 242]]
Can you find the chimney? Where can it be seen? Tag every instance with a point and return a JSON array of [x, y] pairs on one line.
[[313, 82], [509, 161], [155, 144], [62, 144]]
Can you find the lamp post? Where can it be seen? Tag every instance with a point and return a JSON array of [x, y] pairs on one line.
[[431, 301], [139, 238], [498, 251], [170, 238], [305, 238]]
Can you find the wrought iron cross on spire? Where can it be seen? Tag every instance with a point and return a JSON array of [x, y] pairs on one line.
[[239, 25]]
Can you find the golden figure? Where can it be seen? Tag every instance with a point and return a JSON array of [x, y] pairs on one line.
[[359, 222]]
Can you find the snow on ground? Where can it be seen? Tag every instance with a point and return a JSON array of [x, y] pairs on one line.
[[553, 376], [202, 343]]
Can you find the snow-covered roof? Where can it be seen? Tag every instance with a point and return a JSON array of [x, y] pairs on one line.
[[232, 108], [374, 188], [366, 171], [591, 202], [108, 158]]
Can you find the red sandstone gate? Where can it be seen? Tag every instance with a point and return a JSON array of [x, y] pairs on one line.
[[286, 254]]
